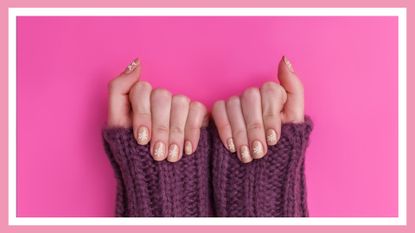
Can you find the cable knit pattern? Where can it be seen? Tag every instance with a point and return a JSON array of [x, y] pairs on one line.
[[150, 188], [211, 181]]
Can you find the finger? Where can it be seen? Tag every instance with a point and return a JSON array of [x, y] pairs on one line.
[[220, 116], [140, 103], [195, 120], [294, 108], [118, 88], [239, 134], [160, 101], [273, 98], [178, 116], [252, 113]]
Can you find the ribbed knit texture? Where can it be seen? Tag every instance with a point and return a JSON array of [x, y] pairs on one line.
[[273, 186], [158, 188], [211, 181]]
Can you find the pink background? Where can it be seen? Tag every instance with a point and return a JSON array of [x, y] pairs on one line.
[[348, 66]]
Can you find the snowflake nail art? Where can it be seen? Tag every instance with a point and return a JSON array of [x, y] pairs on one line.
[[143, 135], [258, 150], [159, 150]]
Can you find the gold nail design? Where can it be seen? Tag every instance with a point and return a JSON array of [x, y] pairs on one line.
[[188, 149], [258, 149], [131, 67], [142, 135], [245, 155], [231, 145], [159, 150], [271, 137], [288, 63], [173, 152]]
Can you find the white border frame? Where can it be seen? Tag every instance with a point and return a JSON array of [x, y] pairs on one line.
[[399, 12]]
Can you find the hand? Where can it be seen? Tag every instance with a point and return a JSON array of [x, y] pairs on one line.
[[156, 114], [250, 122]]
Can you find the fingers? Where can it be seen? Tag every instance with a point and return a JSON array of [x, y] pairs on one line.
[[223, 125], [294, 108], [196, 119], [239, 131], [253, 120], [252, 113], [273, 97], [140, 102], [178, 116], [118, 88], [160, 101], [172, 123]]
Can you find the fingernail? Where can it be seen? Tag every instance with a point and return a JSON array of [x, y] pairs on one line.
[[132, 66], [159, 151], [188, 149], [257, 149], [231, 146], [245, 155], [142, 138], [271, 137], [173, 153], [288, 63]]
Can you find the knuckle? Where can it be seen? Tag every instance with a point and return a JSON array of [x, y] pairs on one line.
[[141, 86], [233, 100], [226, 127], [269, 116], [142, 116], [254, 126], [281, 93], [275, 89], [192, 127], [145, 85], [269, 85], [161, 129], [218, 104], [162, 92], [250, 92], [240, 133], [196, 105], [279, 90], [181, 99], [176, 130]]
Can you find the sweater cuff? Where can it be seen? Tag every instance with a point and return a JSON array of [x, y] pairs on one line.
[[150, 188], [273, 186]]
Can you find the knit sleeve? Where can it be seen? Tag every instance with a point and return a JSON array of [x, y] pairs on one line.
[[149, 188], [273, 186]]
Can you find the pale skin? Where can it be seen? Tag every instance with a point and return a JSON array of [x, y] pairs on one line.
[[247, 124]]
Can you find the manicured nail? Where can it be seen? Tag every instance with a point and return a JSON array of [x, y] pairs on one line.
[[257, 149], [271, 137], [245, 155], [142, 138], [288, 63], [188, 148], [173, 153], [132, 66], [231, 146], [159, 151]]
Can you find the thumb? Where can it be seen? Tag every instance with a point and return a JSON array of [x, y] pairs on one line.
[[119, 105], [127, 78], [294, 107]]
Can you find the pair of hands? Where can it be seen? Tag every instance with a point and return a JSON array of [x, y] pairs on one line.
[[172, 124]]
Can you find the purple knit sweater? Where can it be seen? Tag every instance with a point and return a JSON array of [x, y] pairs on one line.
[[211, 181]]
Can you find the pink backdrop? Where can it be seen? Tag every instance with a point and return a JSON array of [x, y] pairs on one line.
[[348, 66]]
